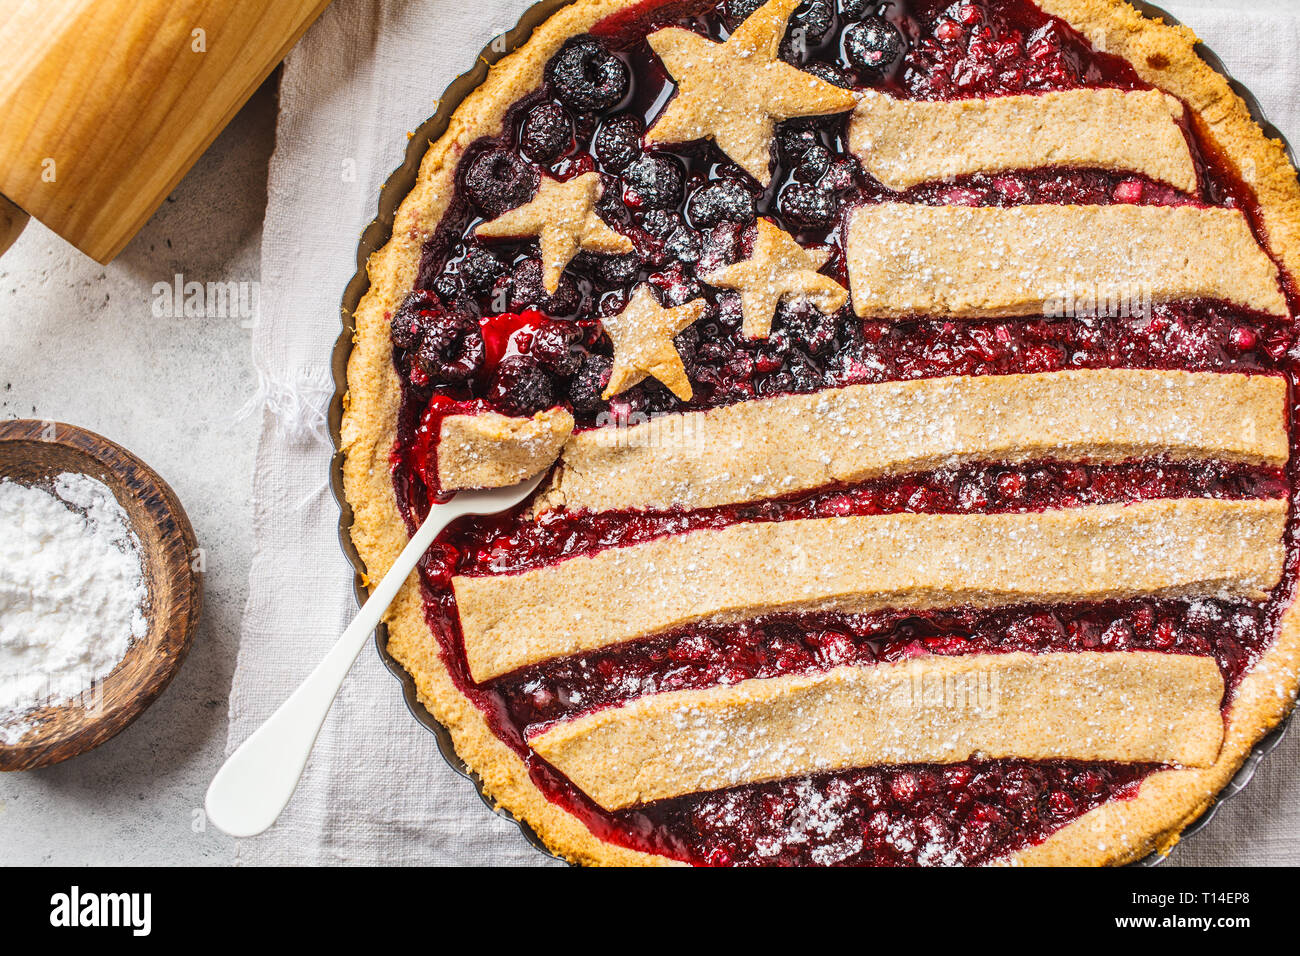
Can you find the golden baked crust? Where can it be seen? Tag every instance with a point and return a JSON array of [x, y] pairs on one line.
[[980, 261], [904, 143], [1176, 547], [1135, 707], [1114, 833], [777, 446], [491, 450]]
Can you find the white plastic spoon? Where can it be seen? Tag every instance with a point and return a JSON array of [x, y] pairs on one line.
[[255, 784]]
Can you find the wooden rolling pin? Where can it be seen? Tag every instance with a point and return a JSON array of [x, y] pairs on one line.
[[105, 104]]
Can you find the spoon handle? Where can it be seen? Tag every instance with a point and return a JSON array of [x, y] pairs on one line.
[[257, 780]]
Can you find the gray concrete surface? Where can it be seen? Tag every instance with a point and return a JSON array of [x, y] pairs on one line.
[[81, 344]]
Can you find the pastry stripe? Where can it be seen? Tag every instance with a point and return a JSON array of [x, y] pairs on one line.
[[964, 262], [1170, 548], [1138, 706], [903, 143], [777, 446], [491, 450]]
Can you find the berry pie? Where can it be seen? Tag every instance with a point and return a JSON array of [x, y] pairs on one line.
[[912, 382]]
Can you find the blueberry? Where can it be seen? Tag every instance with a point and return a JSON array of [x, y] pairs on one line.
[[815, 18], [831, 73], [741, 9], [722, 201], [873, 44], [408, 321], [480, 269], [653, 182], [793, 139], [854, 9], [618, 142], [498, 180], [591, 378], [586, 76], [554, 347], [547, 133], [808, 206], [813, 165], [521, 386], [527, 291], [451, 347]]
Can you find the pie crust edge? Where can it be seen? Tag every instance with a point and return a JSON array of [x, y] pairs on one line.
[[1116, 832]]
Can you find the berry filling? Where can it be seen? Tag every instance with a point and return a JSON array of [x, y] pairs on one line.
[[482, 333]]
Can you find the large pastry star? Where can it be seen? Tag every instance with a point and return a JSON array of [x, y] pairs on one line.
[[643, 343], [778, 270], [563, 217], [735, 92]]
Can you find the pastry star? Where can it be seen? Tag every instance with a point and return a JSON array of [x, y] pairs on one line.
[[563, 217], [735, 92], [778, 270], [643, 343]]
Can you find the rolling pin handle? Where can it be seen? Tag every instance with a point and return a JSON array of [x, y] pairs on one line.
[[12, 221]]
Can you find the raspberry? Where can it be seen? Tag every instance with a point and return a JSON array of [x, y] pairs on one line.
[[527, 292], [586, 76], [480, 269], [618, 142], [407, 322], [498, 180], [547, 132], [722, 201], [450, 348], [808, 206], [653, 182], [521, 386], [591, 378], [554, 347]]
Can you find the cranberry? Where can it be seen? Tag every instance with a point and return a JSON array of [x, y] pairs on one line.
[[1243, 339], [497, 180], [618, 142], [547, 132], [653, 182], [873, 44], [450, 348], [586, 76]]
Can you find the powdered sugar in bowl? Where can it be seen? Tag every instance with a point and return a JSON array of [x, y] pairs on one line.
[[99, 590]]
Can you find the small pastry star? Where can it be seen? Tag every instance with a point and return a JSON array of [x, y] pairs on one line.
[[643, 343], [735, 92], [778, 270], [563, 217]]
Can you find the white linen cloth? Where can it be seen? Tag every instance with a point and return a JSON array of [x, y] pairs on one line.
[[376, 790]]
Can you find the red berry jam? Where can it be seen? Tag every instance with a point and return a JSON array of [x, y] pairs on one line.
[[482, 333]]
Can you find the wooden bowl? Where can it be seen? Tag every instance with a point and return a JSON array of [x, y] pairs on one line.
[[32, 452]]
